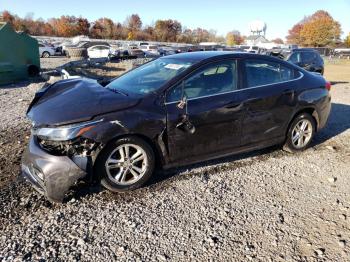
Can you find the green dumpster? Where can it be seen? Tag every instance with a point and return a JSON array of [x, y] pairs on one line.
[[19, 55]]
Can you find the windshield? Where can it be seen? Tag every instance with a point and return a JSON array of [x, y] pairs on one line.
[[82, 43], [149, 77]]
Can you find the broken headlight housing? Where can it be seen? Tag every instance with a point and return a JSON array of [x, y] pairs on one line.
[[64, 133]]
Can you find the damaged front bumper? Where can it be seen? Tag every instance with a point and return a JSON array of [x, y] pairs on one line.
[[51, 175]]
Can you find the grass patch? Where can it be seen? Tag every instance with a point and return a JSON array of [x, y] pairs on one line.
[[338, 70]]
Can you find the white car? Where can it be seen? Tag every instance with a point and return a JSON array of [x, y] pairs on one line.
[[46, 51], [150, 49], [99, 51], [250, 49]]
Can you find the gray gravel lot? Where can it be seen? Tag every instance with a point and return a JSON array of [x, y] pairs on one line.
[[267, 205]]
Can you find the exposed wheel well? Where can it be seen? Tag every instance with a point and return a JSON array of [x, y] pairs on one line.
[[311, 111]]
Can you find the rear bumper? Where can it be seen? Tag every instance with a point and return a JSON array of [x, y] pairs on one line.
[[50, 175], [324, 112]]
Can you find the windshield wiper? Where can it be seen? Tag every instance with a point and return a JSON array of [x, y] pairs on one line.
[[117, 91]]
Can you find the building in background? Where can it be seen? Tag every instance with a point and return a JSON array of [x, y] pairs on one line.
[[256, 40]]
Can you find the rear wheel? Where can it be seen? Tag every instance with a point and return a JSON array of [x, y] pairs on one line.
[[300, 133], [125, 164]]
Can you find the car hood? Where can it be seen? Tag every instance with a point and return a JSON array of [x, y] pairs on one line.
[[75, 100]]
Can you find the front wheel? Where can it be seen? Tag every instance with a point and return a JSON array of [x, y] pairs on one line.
[[300, 133], [45, 54], [125, 164]]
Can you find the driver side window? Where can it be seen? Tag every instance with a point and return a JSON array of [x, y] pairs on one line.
[[212, 79]]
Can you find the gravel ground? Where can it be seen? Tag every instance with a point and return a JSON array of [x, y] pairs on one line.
[[263, 206]]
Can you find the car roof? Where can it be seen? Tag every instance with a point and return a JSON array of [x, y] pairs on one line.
[[207, 55], [98, 45], [304, 50]]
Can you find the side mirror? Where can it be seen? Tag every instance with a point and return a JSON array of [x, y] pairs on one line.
[[186, 125]]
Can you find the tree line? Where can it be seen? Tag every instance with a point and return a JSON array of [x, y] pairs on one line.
[[317, 30], [132, 28]]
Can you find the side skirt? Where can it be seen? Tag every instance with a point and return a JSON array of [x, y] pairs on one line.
[[239, 150]]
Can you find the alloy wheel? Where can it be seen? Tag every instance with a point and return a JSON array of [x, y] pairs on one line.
[[126, 164], [302, 133]]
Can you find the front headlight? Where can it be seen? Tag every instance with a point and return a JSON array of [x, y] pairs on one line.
[[64, 133]]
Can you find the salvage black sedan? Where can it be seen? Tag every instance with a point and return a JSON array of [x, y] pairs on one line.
[[172, 111]]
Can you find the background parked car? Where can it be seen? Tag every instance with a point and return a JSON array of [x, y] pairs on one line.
[[99, 51], [134, 51], [276, 52], [342, 52], [166, 50], [46, 50], [143, 44], [252, 49], [308, 59], [150, 50]]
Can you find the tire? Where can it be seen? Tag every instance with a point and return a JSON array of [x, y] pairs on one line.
[[33, 71], [45, 54], [112, 173], [76, 52], [304, 125]]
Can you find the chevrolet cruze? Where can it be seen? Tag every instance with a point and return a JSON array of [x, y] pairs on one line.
[[173, 111]]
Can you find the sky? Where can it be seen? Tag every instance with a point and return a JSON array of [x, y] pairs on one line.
[[222, 16]]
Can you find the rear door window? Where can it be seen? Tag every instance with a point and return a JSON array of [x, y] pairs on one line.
[[262, 72]]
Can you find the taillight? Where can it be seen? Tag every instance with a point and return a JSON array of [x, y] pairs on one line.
[[328, 86]]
